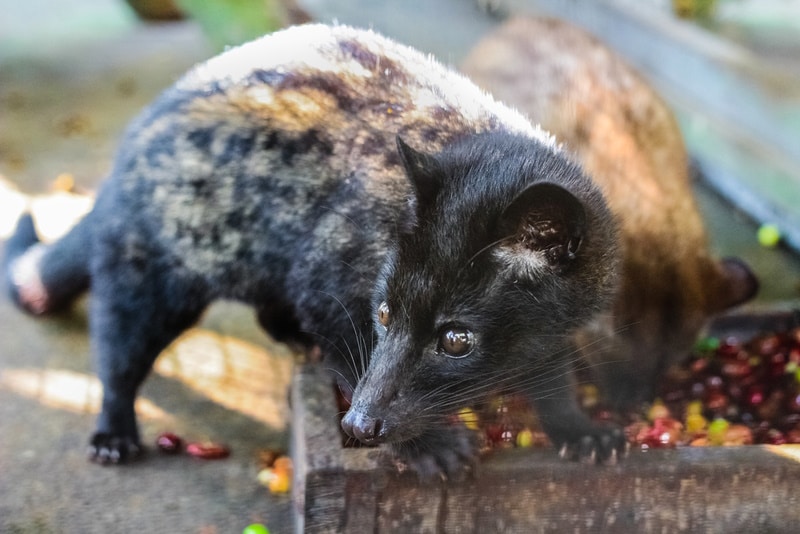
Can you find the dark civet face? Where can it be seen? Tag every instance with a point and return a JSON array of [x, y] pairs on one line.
[[429, 344], [476, 303]]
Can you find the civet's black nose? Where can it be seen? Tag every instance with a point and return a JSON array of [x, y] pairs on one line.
[[367, 430]]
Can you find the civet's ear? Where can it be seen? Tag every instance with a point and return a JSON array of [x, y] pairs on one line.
[[422, 170], [547, 221]]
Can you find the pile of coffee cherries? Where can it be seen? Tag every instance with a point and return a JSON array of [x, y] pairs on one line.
[[733, 392], [729, 392]]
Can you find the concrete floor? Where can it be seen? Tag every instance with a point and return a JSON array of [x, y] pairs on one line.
[[69, 82], [72, 73]]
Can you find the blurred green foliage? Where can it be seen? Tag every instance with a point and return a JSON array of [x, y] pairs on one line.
[[694, 9], [232, 22]]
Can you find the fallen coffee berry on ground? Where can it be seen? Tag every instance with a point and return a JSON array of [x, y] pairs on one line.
[[207, 450], [278, 476], [169, 443]]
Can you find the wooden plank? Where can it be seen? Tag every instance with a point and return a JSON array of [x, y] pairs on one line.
[[319, 480]]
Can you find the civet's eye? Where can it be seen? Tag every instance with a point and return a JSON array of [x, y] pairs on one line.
[[456, 342], [383, 314]]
